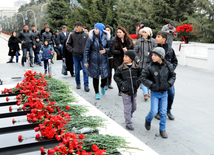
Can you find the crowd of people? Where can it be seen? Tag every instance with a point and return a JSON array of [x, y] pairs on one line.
[[148, 64]]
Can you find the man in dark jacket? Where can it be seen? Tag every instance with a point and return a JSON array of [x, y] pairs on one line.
[[43, 30], [170, 56], [58, 45], [28, 42], [77, 42], [36, 34], [47, 35], [159, 76], [63, 35], [127, 76]]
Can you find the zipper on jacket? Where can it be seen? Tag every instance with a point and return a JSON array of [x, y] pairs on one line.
[[131, 80]]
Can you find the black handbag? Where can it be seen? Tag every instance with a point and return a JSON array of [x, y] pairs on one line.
[[64, 69]]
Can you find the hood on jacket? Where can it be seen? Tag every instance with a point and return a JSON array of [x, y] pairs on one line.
[[112, 30], [91, 33]]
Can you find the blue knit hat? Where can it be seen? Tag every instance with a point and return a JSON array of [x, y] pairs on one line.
[[101, 27]]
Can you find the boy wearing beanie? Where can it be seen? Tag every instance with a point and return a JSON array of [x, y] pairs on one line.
[[158, 76], [127, 76]]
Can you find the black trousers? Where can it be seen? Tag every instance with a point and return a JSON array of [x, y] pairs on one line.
[[96, 84], [110, 67]]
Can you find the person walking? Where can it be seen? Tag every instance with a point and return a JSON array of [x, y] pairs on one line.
[[62, 36], [143, 47], [77, 42], [38, 45], [47, 35], [59, 47], [28, 42], [158, 76], [14, 50], [121, 43], [170, 30], [141, 26], [128, 76], [36, 34], [110, 58], [170, 56], [67, 56], [96, 57], [46, 54]]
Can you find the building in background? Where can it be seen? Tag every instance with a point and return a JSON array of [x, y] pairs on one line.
[[19, 3]]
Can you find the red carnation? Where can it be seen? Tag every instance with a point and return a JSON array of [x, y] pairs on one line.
[[20, 137], [7, 99], [42, 150], [13, 121], [10, 108], [81, 136], [67, 107], [38, 136], [36, 129], [49, 76], [49, 51], [94, 147], [50, 152]]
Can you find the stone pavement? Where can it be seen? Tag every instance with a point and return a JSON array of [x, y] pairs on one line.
[[192, 131]]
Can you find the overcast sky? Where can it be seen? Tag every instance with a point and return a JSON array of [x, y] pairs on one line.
[[8, 3]]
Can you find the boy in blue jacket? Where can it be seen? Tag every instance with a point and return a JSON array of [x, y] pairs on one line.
[[46, 54]]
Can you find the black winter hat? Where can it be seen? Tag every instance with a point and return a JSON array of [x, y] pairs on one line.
[[131, 54], [162, 33]]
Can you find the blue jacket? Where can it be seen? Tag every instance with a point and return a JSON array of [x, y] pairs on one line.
[[98, 63], [45, 52]]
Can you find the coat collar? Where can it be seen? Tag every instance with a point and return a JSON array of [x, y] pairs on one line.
[[124, 66]]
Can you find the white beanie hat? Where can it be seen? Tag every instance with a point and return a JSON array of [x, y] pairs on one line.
[[148, 30]]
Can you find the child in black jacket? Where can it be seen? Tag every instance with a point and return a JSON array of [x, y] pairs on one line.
[[158, 76], [38, 45], [127, 76]]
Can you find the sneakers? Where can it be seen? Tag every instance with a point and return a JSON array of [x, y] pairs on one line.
[[170, 116], [78, 86], [103, 91], [163, 134], [40, 64], [119, 94], [31, 65], [97, 96], [157, 116], [46, 71], [147, 125], [87, 89], [52, 62], [129, 127]]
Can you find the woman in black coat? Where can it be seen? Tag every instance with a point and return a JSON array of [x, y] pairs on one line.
[[68, 58], [121, 43], [14, 49]]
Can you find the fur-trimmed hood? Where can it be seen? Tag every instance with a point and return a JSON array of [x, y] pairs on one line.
[[104, 31]]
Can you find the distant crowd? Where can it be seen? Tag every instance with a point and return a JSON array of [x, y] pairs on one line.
[[149, 64]]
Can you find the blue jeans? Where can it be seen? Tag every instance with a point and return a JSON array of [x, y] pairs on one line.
[[171, 95], [77, 63], [17, 57], [158, 100], [145, 90], [38, 55], [30, 49]]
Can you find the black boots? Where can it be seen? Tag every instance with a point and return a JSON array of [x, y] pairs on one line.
[[108, 84], [147, 125], [163, 134], [170, 116], [129, 127]]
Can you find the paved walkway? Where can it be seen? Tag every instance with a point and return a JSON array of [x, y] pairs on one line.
[[191, 133]]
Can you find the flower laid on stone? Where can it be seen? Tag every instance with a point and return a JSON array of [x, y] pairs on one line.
[[20, 137], [7, 99]]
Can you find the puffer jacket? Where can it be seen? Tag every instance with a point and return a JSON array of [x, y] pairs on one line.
[[170, 36], [143, 48], [77, 42], [98, 63], [117, 51], [46, 52], [48, 36], [158, 77], [169, 55], [128, 78], [27, 38]]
